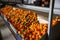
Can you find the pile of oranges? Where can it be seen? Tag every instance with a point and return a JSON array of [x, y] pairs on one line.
[[55, 21], [26, 22]]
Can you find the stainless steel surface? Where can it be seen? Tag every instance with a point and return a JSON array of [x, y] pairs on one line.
[[42, 20], [50, 16], [6, 33], [11, 26]]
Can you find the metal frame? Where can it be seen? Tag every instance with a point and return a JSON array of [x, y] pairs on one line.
[[50, 16], [36, 8]]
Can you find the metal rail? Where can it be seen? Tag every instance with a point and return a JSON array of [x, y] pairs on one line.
[[50, 16]]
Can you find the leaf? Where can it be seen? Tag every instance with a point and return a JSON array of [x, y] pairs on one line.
[[24, 23], [22, 16]]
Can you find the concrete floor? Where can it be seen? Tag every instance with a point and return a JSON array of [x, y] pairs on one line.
[[5, 32]]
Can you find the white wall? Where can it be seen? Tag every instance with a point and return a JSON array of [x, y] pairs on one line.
[[30, 1], [57, 3]]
